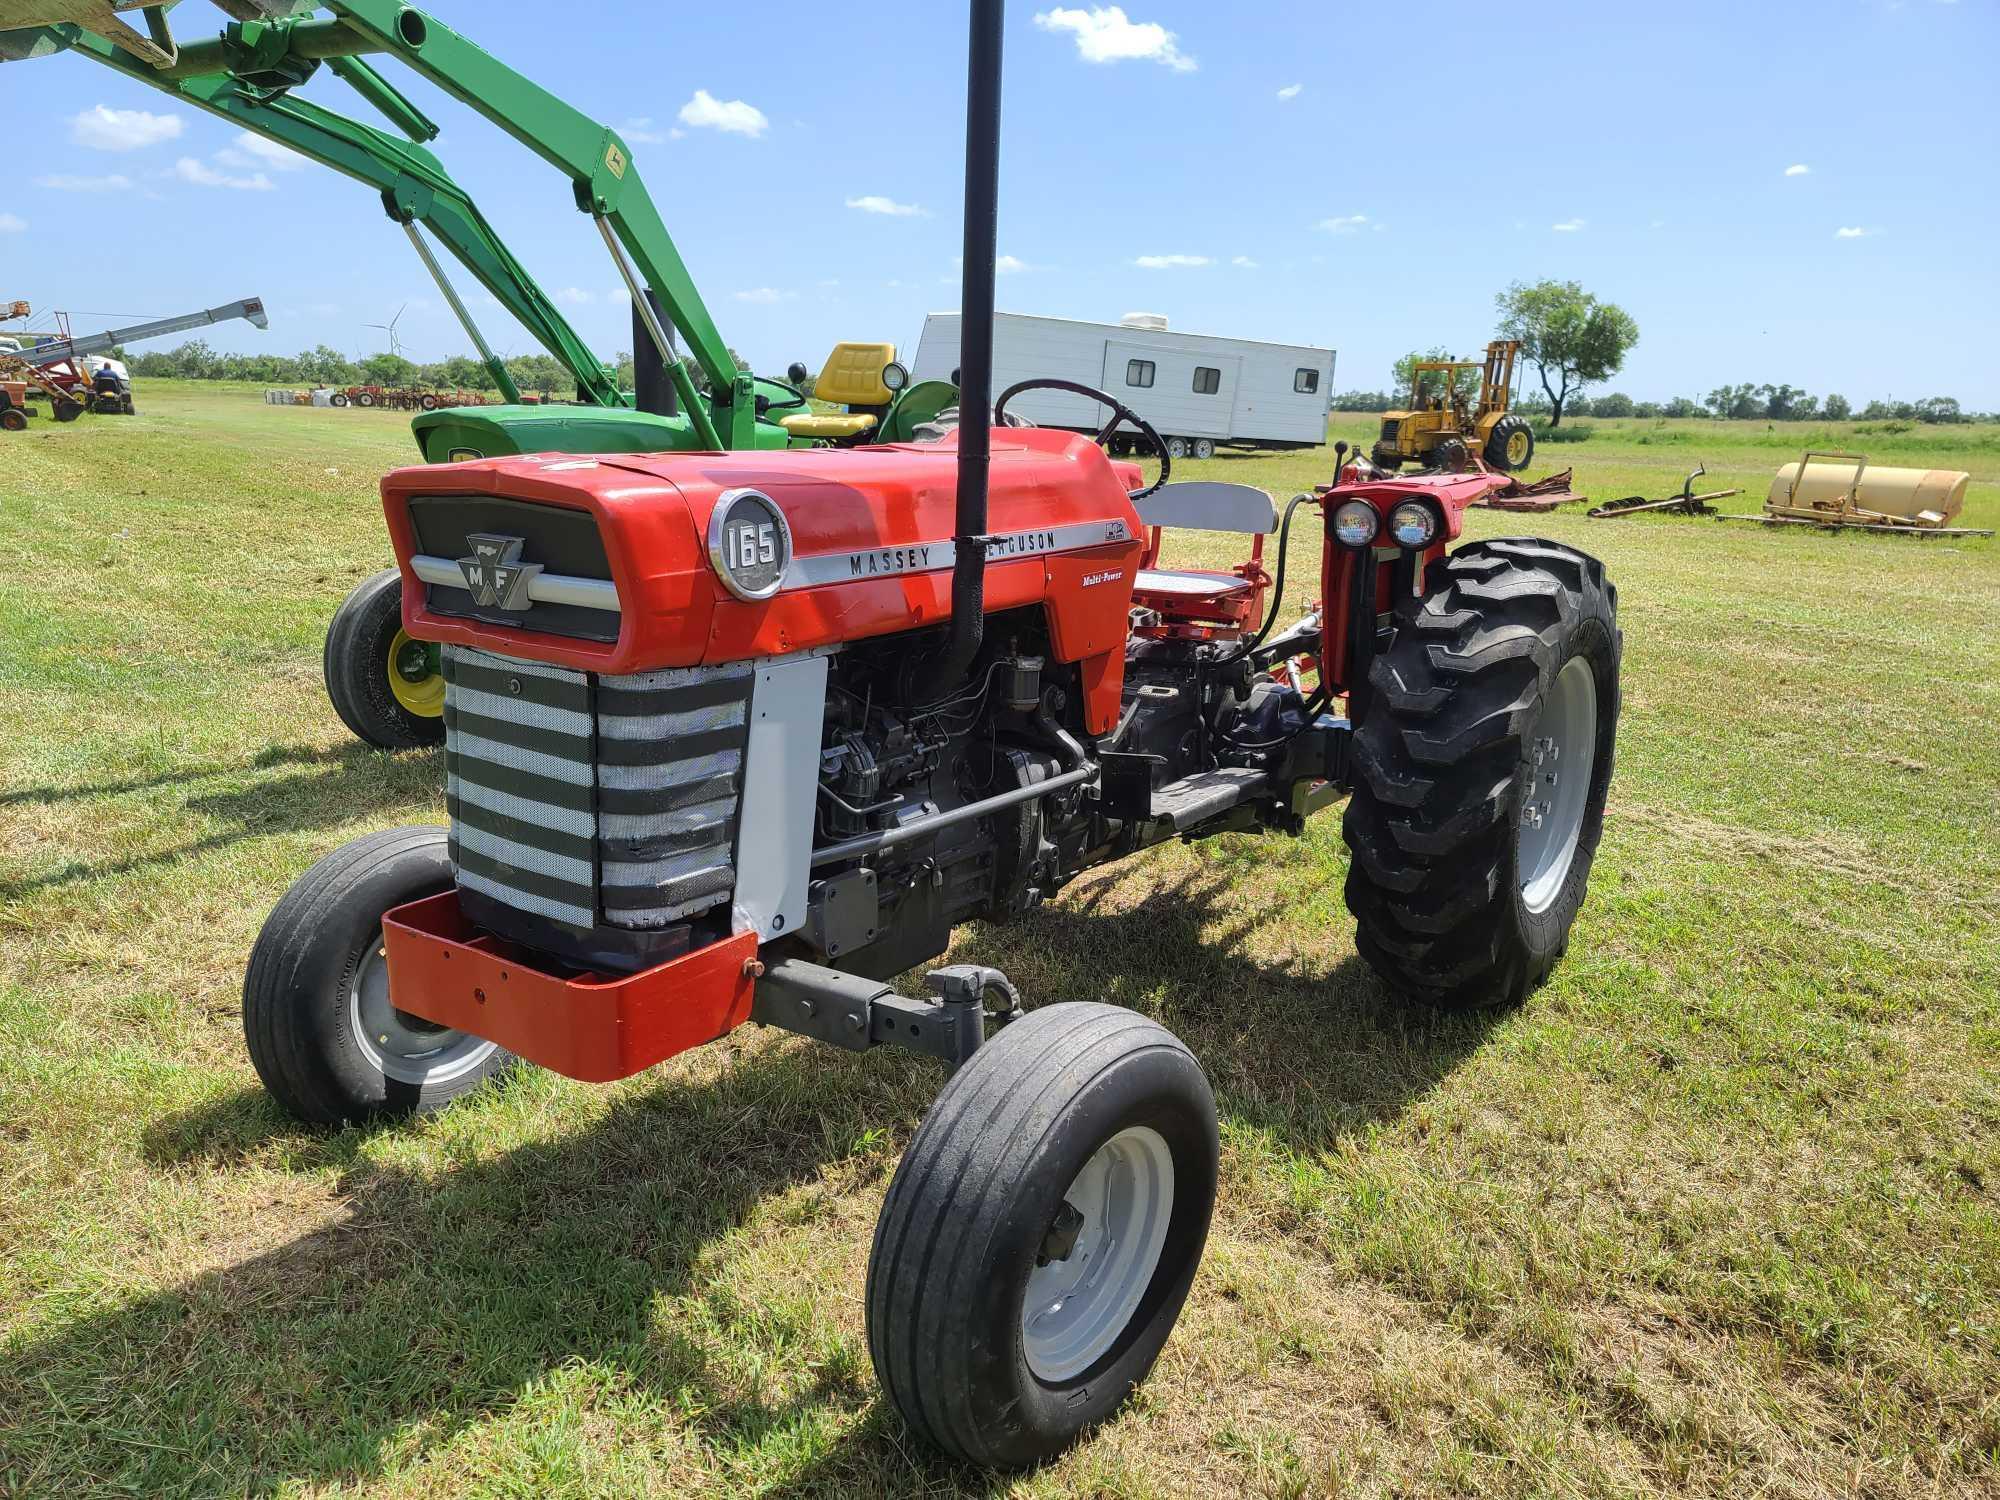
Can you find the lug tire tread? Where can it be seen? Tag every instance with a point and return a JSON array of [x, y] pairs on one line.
[[1436, 759]]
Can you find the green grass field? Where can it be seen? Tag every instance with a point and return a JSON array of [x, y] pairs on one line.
[[1713, 1214]]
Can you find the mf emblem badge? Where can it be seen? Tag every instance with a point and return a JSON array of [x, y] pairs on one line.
[[495, 573]]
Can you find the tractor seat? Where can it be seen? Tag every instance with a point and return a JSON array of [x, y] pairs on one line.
[[835, 424], [1193, 602]]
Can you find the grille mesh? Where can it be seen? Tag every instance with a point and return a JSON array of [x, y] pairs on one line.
[[585, 799]]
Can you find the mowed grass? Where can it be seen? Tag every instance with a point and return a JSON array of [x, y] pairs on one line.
[[1713, 1214]]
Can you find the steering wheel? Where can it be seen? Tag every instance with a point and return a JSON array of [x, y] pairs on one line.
[[1120, 414]]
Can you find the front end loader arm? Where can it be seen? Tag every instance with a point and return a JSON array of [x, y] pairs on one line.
[[599, 165], [246, 76]]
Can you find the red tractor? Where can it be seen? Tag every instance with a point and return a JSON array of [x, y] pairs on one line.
[[738, 737]]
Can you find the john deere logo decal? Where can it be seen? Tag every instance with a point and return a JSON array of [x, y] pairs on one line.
[[495, 573]]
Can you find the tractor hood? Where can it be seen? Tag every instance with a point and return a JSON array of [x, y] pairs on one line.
[[622, 563]]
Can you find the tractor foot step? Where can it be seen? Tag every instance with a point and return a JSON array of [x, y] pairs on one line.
[[1196, 799]]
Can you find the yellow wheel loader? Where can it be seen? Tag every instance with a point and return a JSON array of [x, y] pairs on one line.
[[1442, 429]]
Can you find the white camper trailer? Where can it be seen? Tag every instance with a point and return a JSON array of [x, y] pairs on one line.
[[1200, 392]]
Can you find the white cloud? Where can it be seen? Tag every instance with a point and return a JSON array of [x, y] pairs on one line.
[[1008, 265], [1244, 261], [1343, 224], [573, 296], [1854, 232], [1290, 91], [1104, 34], [254, 151], [200, 174], [875, 203], [12, 223], [764, 295], [1568, 226], [105, 129], [731, 115], [641, 131], [66, 182], [1798, 169], [1171, 262]]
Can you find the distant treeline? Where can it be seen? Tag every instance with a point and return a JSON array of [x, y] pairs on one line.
[[541, 373], [195, 360], [1770, 403]]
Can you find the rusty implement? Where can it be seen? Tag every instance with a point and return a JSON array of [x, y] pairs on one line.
[[1686, 503], [1532, 499], [1843, 492]]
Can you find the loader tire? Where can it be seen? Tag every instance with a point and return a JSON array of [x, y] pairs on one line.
[[1041, 1233], [328, 1044], [1510, 446], [363, 657], [1482, 760]]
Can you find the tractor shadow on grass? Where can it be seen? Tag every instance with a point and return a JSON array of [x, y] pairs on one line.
[[593, 1273], [317, 788]]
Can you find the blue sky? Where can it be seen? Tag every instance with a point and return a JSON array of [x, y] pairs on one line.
[[1779, 191]]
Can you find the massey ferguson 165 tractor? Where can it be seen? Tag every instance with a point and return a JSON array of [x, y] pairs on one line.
[[739, 736]]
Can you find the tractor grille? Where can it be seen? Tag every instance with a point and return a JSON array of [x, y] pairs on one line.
[[1389, 428], [587, 799]]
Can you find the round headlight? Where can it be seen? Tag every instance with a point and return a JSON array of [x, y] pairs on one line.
[[749, 543], [1355, 523], [1413, 524], [895, 376]]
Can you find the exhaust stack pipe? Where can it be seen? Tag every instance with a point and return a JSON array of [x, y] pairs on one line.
[[975, 322]]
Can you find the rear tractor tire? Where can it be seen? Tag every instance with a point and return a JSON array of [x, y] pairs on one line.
[[327, 1041], [1482, 760], [386, 686], [1511, 444], [1041, 1233]]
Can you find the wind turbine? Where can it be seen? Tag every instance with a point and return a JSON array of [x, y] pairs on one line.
[[395, 344]]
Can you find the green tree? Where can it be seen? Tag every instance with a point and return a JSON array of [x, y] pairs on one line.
[[1739, 403], [1684, 406], [1938, 409], [1617, 404], [1464, 382], [1569, 336], [387, 369], [1837, 409]]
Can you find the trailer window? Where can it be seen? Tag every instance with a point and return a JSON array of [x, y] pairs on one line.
[[1207, 381], [1305, 382], [1139, 372]]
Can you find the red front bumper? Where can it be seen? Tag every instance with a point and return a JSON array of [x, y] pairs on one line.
[[448, 972]]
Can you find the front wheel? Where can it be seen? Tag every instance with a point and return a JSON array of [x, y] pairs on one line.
[[13, 419], [1483, 757], [322, 1026], [386, 686], [1511, 444], [1041, 1233]]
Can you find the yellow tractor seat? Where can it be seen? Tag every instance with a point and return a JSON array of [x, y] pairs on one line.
[[853, 375], [837, 424]]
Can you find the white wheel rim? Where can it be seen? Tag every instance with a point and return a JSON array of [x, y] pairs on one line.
[[1076, 1308], [398, 1045], [1556, 767]]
